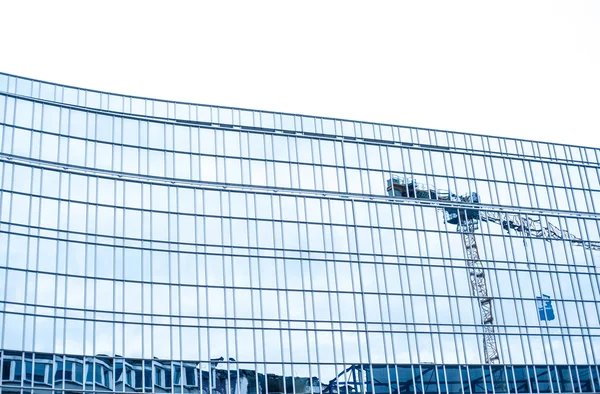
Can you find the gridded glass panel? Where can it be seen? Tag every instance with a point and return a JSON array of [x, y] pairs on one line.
[[266, 252]]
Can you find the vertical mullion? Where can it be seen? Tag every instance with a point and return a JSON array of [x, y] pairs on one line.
[[454, 268], [509, 236], [329, 291], [574, 276], [334, 267], [36, 242], [310, 264], [298, 201], [150, 103], [536, 284], [346, 227], [278, 285], [414, 211], [422, 253], [589, 257], [3, 171], [377, 279], [493, 261], [206, 287], [407, 297], [564, 245], [439, 234], [197, 250]]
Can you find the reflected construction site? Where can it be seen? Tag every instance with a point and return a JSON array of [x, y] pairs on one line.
[[42, 373]]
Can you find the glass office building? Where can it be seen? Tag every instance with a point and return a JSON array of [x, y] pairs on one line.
[[156, 246]]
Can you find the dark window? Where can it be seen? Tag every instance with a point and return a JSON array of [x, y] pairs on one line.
[[138, 378], [190, 376], [69, 371], [107, 381], [18, 370], [78, 372], [585, 380], [58, 375], [130, 377], [89, 373], [6, 370], [118, 371], [168, 378], [28, 370], [158, 380], [40, 373], [99, 374], [148, 378], [177, 375]]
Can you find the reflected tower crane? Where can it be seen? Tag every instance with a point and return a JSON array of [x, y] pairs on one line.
[[467, 222]]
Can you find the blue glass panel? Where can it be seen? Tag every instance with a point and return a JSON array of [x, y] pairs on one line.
[[543, 379], [499, 379], [429, 379], [488, 378], [453, 381], [520, 384], [28, 368], [532, 379], [595, 377], [18, 370], [477, 381], [417, 379], [377, 379], [6, 370], [43, 370], [466, 382], [393, 379], [441, 376], [405, 380], [89, 372], [553, 378], [576, 387]]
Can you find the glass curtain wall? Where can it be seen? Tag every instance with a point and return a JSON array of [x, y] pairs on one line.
[[159, 246]]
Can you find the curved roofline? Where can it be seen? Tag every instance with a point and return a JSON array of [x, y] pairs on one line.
[[293, 114]]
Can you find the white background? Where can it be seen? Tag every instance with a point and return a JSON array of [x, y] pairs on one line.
[[527, 69]]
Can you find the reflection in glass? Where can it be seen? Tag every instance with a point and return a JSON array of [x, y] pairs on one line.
[[194, 248]]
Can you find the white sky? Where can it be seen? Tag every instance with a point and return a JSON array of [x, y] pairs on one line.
[[512, 68]]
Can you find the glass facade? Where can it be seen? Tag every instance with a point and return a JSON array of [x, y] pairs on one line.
[[159, 246]]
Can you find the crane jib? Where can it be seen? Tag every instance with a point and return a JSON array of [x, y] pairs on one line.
[[467, 222]]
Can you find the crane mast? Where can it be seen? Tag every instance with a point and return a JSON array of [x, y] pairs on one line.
[[467, 221], [479, 289]]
